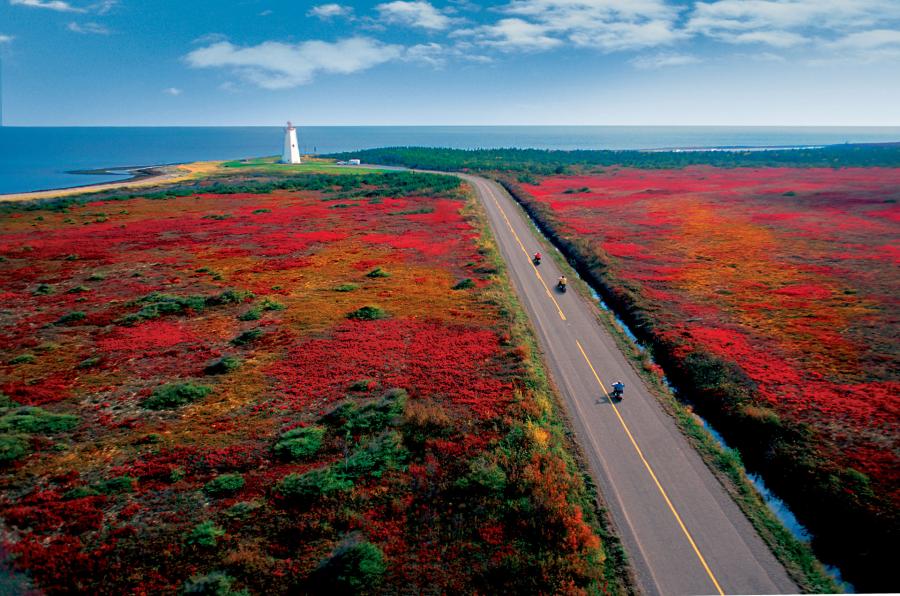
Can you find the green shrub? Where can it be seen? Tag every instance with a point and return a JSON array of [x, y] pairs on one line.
[[216, 583], [346, 288], [224, 365], [370, 418], [230, 296], [375, 456], [362, 385], [12, 448], [224, 484], [22, 359], [35, 420], [96, 277], [258, 211], [115, 486], [269, 304], [486, 474], [43, 290], [205, 534], [247, 337], [313, 484], [242, 510], [252, 314], [378, 272], [80, 492], [299, 443], [89, 362], [174, 395], [417, 211], [464, 284], [78, 290], [367, 313], [356, 566], [155, 305], [71, 318]]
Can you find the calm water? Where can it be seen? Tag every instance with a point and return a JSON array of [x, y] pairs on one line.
[[39, 158]]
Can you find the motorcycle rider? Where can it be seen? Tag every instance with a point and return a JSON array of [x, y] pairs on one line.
[[562, 282], [537, 257], [618, 389]]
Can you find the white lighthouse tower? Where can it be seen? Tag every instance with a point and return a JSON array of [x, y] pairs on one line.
[[291, 153]]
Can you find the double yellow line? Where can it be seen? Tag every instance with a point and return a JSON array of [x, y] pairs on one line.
[[662, 491], [631, 438], [537, 274]]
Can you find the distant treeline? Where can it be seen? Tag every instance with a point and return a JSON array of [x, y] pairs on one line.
[[378, 184], [542, 161]]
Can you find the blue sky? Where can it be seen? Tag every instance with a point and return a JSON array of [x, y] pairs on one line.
[[255, 62]]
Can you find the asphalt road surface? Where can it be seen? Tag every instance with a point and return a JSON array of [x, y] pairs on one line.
[[682, 532]]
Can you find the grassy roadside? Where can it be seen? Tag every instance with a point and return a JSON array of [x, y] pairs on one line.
[[618, 575], [270, 165], [796, 556]]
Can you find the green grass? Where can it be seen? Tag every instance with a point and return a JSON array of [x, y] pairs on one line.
[[617, 575], [270, 165]]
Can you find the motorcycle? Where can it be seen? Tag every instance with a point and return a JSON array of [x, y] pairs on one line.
[[618, 390], [536, 260], [561, 287]]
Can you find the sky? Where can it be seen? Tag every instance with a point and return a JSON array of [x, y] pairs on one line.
[[450, 62]]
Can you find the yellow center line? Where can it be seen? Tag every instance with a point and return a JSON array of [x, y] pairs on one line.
[[652, 473], [522, 246]]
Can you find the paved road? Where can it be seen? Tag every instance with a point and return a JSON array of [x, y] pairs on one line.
[[682, 532]]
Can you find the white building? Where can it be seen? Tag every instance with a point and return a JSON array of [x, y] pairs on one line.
[[291, 153]]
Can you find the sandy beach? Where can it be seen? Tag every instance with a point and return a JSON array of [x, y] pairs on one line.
[[165, 175]]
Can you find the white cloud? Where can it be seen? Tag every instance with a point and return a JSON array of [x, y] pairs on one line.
[[512, 35], [88, 28], [787, 23], [614, 36], [778, 39], [607, 25], [6, 38], [663, 60], [104, 6], [867, 40], [58, 5], [414, 14], [329, 11], [868, 46], [174, 91], [432, 54], [266, 13], [277, 65]]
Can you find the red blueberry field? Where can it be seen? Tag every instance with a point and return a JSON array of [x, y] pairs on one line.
[[269, 392], [772, 294]]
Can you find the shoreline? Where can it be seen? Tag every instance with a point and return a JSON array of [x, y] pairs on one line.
[[141, 177]]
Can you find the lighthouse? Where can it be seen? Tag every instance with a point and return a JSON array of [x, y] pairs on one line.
[[291, 153]]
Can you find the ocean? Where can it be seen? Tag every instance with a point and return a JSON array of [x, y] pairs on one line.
[[43, 158]]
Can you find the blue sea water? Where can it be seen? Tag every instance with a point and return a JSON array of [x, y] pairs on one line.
[[41, 158]]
